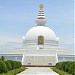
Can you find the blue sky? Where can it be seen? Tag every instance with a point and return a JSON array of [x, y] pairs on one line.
[[18, 16]]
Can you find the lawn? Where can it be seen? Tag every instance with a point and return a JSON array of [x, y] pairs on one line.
[[60, 72]]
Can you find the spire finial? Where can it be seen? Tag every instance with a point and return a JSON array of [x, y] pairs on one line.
[[41, 6], [41, 20]]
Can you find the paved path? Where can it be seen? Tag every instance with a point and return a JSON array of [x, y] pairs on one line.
[[38, 71]]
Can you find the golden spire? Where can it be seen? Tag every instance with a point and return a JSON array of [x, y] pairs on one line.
[[41, 6]]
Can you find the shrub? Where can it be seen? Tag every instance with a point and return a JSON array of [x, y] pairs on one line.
[[72, 68], [2, 67], [73, 73], [14, 72], [63, 66], [9, 67], [13, 64], [18, 64], [68, 66], [59, 65]]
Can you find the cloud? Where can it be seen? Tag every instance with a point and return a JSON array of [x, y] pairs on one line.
[[5, 39], [9, 42], [68, 43]]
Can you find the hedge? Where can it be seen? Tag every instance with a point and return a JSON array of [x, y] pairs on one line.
[[14, 72], [3, 67], [8, 65], [15, 64], [68, 66], [18, 64]]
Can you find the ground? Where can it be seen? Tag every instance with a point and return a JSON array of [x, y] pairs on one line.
[[38, 71]]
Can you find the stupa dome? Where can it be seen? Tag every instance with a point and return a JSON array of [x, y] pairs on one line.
[[40, 35], [44, 31]]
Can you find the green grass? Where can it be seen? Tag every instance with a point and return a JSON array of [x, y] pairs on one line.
[[14, 72], [60, 71]]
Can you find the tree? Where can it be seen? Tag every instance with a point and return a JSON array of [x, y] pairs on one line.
[[2, 58]]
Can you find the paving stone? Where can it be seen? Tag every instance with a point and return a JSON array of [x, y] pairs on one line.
[[38, 71]]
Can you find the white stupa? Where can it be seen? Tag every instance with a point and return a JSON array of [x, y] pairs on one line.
[[40, 44]]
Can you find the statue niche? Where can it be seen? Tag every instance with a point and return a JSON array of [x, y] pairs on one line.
[[40, 40]]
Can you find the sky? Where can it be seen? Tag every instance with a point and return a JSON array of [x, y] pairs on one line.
[[18, 16]]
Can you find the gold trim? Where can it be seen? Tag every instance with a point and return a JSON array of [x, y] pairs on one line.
[[41, 6]]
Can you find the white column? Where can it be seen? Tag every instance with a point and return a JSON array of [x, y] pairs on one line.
[[23, 59], [56, 58]]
